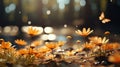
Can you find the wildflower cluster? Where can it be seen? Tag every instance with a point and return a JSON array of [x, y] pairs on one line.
[[96, 51]]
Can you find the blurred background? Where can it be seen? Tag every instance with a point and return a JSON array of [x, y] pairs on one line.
[[58, 18]]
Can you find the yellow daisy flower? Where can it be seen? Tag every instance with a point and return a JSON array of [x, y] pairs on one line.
[[33, 31], [5, 45], [36, 43], [98, 40], [88, 45], [20, 42], [85, 32]]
